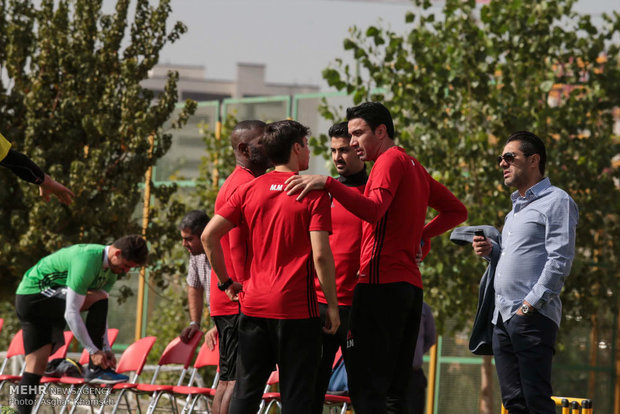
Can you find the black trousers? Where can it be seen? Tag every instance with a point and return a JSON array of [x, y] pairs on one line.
[[331, 343], [42, 320], [293, 344], [416, 393], [228, 331], [523, 347], [384, 329]]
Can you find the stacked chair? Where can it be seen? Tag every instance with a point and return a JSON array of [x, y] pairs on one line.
[[270, 397], [16, 348], [71, 382], [206, 357], [133, 360], [177, 353]]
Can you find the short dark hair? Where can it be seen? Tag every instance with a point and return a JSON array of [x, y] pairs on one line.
[[530, 144], [133, 248], [339, 130], [375, 114], [240, 131], [195, 221], [249, 124], [280, 137]]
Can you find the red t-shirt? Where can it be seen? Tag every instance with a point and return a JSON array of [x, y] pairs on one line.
[[235, 253], [281, 283], [345, 245], [394, 205]]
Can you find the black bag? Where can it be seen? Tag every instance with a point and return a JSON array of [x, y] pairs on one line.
[[63, 367]]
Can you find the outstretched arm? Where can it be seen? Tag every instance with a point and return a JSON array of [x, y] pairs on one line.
[[51, 186], [23, 167], [369, 208], [451, 213], [27, 170]]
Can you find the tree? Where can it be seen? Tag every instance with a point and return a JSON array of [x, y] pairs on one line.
[[459, 83], [218, 164], [70, 98]]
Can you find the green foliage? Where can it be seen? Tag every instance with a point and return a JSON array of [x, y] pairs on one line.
[[71, 99], [170, 317], [458, 83], [10, 325], [171, 313], [217, 165]]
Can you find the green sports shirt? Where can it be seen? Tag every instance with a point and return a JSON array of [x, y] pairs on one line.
[[79, 267]]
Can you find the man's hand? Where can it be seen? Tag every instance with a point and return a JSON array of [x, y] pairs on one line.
[[332, 320], [482, 247], [305, 184], [110, 359], [188, 332], [233, 291], [418, 256], [211, 338], [100, 359], [51, 186]]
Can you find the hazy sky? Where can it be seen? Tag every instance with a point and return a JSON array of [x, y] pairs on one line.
[[295, 39]]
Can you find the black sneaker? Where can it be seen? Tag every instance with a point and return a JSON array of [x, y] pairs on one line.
[[104, 376]]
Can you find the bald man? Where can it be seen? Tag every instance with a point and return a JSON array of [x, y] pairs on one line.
[[251, 162]]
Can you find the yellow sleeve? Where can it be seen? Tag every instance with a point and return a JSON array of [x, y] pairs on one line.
[[5, 146]]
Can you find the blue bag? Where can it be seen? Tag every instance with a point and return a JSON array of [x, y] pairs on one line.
[[338, 383]]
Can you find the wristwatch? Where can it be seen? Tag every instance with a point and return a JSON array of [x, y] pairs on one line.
[[527, 310], [225, 285]]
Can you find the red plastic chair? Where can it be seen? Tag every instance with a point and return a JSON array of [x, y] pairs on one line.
[[16, 348], [270, 397], [178, 353], [206, 357], [62, 351], [337, 357], [46, 381], [133, 360], [1, 324]]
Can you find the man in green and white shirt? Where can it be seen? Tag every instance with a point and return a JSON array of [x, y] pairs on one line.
[[55, 290]]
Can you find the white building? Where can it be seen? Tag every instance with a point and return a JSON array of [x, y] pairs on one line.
[[249, 82]]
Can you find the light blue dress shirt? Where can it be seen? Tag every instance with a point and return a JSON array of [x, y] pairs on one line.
[[537, 250]]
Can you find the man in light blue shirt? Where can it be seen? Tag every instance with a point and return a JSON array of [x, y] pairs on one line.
[[537, 250]]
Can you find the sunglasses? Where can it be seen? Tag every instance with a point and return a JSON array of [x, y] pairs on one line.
[[509, 157]]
